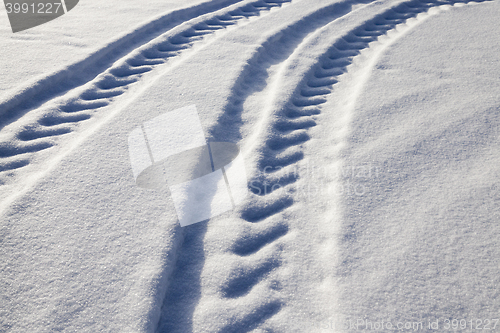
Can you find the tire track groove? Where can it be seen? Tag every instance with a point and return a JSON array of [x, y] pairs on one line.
[[243, 279], [283, 147], [113, 82]]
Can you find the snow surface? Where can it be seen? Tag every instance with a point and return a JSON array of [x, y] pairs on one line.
[[370, 134]]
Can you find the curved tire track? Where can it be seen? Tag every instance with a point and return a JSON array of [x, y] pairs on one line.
[[39, 129], [290, 127], [283, 148], [242, 279], [64, 80]]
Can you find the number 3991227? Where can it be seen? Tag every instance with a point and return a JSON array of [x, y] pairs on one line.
[[38, 8]]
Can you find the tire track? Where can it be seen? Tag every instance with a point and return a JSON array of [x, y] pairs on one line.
[[284, 149], [65, 80], [40, 128], [191, 258], [292, 124], [61, 82]]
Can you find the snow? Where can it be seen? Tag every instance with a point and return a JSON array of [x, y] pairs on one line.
[[432, 132], [369, 136]]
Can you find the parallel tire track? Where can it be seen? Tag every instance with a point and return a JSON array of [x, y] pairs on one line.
[[284, 149], [62, 81], [34, 135], [274, 51]]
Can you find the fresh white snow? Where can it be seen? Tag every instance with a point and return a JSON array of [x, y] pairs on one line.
[[370, 138]]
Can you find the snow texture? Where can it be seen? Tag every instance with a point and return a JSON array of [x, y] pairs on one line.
[[362, 194]]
